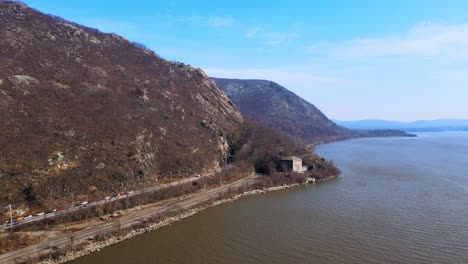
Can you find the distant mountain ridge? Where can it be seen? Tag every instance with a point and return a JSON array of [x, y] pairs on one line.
[[272, 104], [414, 126]]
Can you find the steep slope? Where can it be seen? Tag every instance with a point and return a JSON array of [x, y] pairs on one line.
[[270, 103], [83, 111]]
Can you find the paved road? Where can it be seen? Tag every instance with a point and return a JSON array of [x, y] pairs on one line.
[[103, 201], [97, 226]]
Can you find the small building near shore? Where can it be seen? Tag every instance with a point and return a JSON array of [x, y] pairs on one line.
[[291, 163]]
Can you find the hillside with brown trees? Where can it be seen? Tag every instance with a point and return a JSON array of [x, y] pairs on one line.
[[273, 105], [264, 147], [86, 112]]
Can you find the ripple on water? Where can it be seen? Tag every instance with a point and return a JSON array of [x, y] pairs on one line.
[[400, 200]]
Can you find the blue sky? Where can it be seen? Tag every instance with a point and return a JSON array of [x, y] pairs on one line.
[[399, 60]]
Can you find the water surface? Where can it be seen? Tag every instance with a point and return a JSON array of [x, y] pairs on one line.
[[399, 200]]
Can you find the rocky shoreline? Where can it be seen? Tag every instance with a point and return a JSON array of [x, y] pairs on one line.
[[97, 246]]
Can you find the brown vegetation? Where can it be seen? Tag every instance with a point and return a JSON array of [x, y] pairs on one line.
[[14, 240], [228, 175], [84, 112], [263, 147]]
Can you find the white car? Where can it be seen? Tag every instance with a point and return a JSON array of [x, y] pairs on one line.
[[84, 203], [40, 214]]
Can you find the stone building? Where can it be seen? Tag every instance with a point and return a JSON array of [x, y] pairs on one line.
[[291, 163]]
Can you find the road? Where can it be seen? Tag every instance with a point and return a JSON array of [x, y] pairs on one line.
[[96, 226], [74, 208]]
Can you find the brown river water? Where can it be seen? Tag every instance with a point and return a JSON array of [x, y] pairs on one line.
[[399, 200]]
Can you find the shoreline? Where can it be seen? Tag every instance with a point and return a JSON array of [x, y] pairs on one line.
[[98, 246]]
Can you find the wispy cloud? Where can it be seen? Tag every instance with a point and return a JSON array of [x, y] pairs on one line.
[[220, 21], [274, 39], [428, 40], [215, 21], [251, 32]]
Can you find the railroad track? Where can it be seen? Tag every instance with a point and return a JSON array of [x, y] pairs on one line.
[[72, 209], [64, 239]]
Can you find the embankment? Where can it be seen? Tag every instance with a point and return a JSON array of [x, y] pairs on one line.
[[226, 195]]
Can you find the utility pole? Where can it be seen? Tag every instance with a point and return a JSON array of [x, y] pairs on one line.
[[66, 223], [68, 210], [11, 219]]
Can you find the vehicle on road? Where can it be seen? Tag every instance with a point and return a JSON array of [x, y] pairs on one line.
[[14, 222], [116, 214], [7, 222]]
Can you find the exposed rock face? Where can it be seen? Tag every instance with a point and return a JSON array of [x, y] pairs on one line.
[[80, 108], [279, 108]]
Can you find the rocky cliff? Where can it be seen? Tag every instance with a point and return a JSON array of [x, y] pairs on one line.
[[84, 111]]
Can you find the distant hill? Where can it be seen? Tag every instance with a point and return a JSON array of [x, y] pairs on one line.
[[275, 106], [270, 103], [415, 126]]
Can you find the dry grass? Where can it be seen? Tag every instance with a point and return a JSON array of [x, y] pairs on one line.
[[16, 240]]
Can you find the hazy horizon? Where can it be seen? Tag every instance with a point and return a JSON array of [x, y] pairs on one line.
[[354, 60], [402, 121]]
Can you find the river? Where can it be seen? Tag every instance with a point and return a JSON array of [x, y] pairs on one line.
[[399, 200]]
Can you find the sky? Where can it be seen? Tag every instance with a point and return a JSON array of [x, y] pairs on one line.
[[396, 60]]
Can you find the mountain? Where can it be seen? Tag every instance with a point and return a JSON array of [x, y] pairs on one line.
[[420, 125], [273, 105], [270, 103], [83, 110]]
